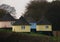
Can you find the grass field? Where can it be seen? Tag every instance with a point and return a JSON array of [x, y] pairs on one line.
[[8, 36], [5, 30]]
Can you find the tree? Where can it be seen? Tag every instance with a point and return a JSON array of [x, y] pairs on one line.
[[9, 9], [53, 14], [2, 13], [36, 9]]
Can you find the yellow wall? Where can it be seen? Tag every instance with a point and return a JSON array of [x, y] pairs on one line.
[[43, 28], [18, 28]]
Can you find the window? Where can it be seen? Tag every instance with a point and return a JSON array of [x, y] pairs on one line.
[[23, 27], [47, 27]]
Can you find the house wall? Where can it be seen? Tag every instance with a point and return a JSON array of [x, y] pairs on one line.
[[5, 24], [19, 29], [43, 28]]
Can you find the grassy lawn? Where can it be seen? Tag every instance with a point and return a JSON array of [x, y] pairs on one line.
[[41, 35], [5, 30], [55, 38], [33, 34]]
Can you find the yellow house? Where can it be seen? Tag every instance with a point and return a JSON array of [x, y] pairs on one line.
[[21, 26], [44, 25]]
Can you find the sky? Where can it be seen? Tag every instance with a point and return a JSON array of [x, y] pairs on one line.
[[49, 0], [20, 5]]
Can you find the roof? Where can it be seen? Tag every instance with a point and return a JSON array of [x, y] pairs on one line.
[[29, 19], [43, 21], [7, 17], [21, 21]]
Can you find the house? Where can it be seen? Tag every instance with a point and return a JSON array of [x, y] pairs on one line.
[[32, 23], [44, 25], [21, 25], [6, 21]]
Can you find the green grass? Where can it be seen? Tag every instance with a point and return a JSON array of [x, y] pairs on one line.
[[5, 30], [52, 38], [41, 35], [33, 34], [55, 38]]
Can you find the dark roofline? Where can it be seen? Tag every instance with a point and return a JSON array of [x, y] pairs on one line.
[[30, 19], [21, 21], [7, 17], [43, 21]]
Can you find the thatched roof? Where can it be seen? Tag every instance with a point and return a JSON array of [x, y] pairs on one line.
[[21, 21], [43, 21], [7, 17]]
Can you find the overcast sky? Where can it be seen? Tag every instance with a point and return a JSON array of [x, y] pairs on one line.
[[18, 4]]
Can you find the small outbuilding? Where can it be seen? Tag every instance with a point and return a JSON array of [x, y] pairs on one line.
[[44, 25], [21, 25]]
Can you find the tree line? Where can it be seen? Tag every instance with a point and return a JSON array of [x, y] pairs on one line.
[[51, 10]]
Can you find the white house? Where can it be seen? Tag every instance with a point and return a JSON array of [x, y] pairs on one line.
[[6, 21]]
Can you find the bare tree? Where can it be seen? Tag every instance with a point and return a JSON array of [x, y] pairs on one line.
[[9, 9]]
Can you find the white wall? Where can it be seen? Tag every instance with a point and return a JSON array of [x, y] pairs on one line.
[[5, 24]]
